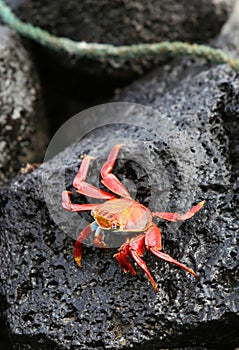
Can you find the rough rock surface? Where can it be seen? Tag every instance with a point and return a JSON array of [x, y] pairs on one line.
[[127, 22], [192, 144], [123, 23], [71, 85], [20, 108]]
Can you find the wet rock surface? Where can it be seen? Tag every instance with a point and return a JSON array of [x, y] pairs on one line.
[[21, 109], [190, 145]]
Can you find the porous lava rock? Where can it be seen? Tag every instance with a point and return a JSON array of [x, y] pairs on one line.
[[189, 144], [71, 84], [124, 23], [21, 109]]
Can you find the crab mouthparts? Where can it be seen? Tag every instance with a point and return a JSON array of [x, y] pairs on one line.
[[103, 222]]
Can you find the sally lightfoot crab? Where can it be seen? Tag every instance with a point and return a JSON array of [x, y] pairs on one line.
[[121, 214]]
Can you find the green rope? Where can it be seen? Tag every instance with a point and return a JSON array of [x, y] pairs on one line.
[[105, 51]]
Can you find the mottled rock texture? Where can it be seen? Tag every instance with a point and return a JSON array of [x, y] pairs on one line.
[[124, 23], [191, 143], [21, 109], [70, 84]]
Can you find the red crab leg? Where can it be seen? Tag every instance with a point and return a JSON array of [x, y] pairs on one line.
[[109, 180], [179, 217], [68, 205], [136, 248], [153, 243], [78, 244], [85, 188]]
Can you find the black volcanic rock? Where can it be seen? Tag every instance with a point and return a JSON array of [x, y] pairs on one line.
[[71, 84], [189, 144], [123, 23], [23, 133]]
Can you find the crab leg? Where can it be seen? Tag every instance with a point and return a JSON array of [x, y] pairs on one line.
[[123, 259], [179, 217], [68, 205], [109, 180], [135, 248], [85, 188], [78, 243], [153, 243]]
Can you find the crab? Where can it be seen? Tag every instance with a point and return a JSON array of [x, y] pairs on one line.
[[120, 212]]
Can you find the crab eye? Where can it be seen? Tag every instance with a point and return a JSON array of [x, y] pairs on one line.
[[114, 226]]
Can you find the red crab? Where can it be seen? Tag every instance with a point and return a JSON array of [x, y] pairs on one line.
[[121, 214]]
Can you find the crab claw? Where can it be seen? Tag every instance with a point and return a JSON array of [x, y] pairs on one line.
[[123, 259], [134, 248]]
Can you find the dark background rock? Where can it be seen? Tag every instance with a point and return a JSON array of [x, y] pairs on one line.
[[4, 335], [126, 22], [50, 303], [165, 78], [23, 130], [228, 39], [71, 85]]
